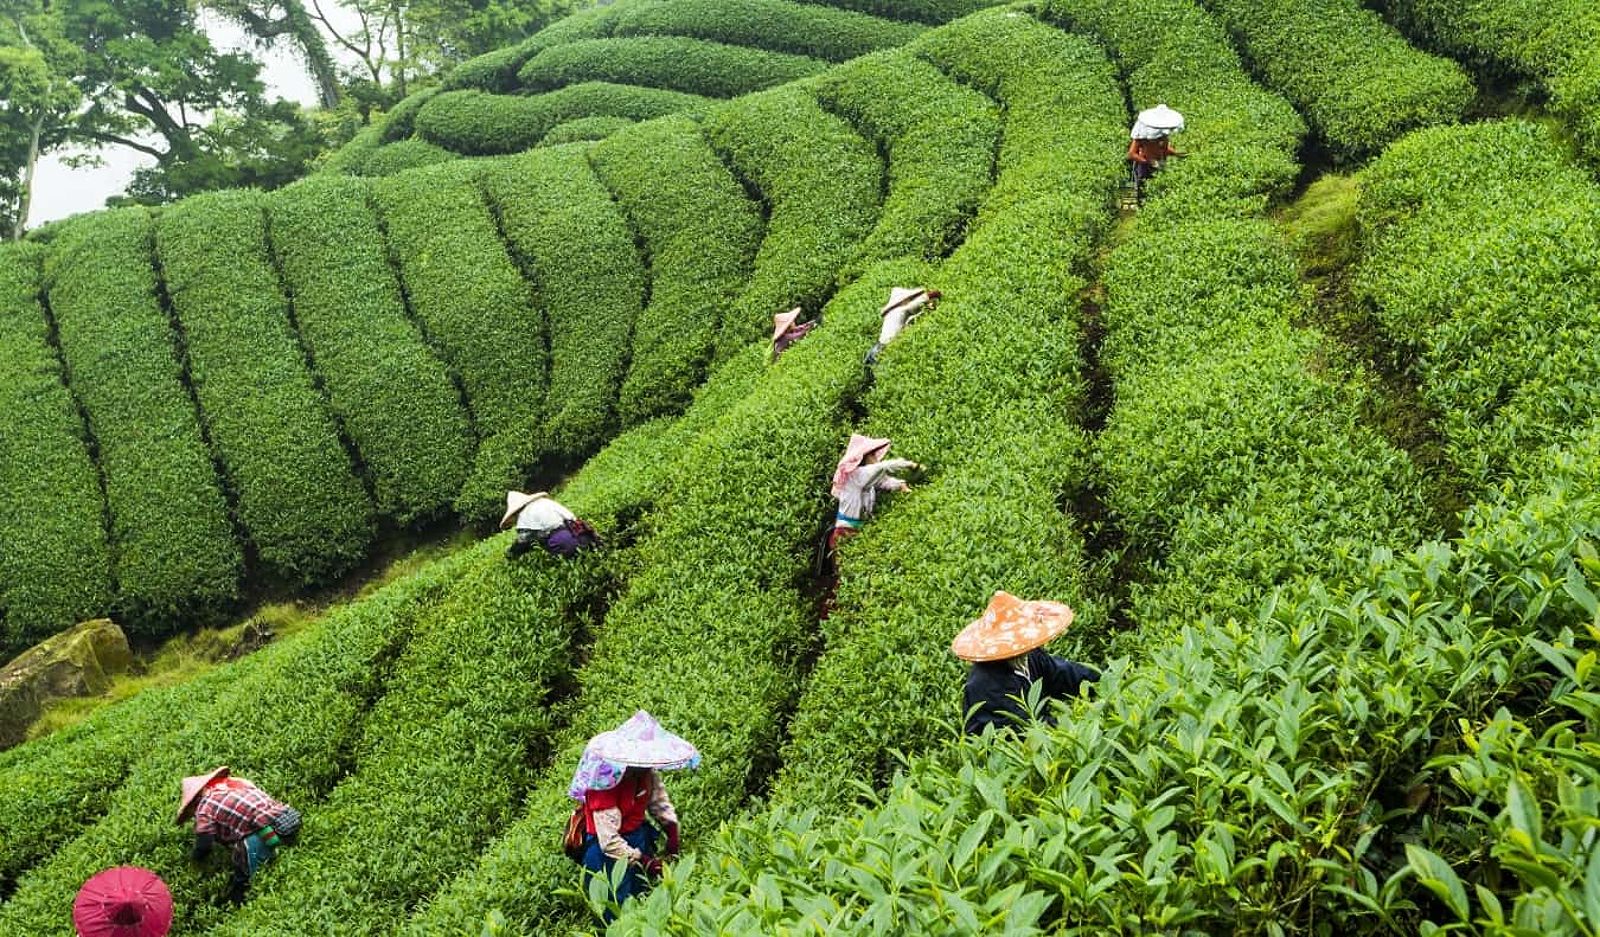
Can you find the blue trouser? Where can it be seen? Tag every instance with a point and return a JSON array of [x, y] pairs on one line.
[[634, 881], [256, 850]]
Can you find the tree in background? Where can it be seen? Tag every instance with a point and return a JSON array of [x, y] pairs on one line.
[[37, 101], [271, 21]]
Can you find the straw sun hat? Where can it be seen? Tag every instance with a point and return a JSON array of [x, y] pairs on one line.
[[516, 501], [1010, 627], [782, 321]]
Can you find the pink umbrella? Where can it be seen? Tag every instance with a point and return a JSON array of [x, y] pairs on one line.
[[126, 901]]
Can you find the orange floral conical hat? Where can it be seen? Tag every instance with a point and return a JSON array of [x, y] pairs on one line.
[[1010, 627]]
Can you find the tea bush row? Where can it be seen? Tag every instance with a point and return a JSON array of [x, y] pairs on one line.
[[821, 185], [775, 25], [401, 119], [716, 598], [397, 157], [940, 139], [55, 565], [1556, 42], [588, 279], [917, 11], [1480, 247], [585, 129], [987, 389], [475, 123], [295, 491], [1247, 774], [1241, 139], [287, 717], [444, 756], [673, 63], [701, 233], [389, 390], [497, 70], [1356, 79], [174, 555], [477, 309]]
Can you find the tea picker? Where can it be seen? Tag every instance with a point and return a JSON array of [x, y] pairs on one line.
[[617, 787], [904, 306], [240, 815], [1150, 144], [862, 472], [543, 520], [1005, 647], [786, 330]]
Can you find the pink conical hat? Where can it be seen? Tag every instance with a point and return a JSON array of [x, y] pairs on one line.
[[782, 322], [189, 790], [855, 454], [126, 901]]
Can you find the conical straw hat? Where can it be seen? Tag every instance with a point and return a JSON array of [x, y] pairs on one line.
[[516, 501], [856, 453], [641, 742], [189, 791], [902, 296], [782, 321], [1010, 627]]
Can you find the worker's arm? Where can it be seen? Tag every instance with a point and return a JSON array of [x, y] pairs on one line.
[[524, 542], [1062, 678], [886, 481], [608, 830], [202, 846], [661, 809]]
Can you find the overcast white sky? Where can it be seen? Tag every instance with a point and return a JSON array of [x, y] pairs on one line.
[[60, 191]]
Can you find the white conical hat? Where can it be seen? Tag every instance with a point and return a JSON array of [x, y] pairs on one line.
[[516, 501]]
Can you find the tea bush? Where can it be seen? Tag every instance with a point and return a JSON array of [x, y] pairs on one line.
[[406, 154], [821, 184], [701, 234], [774, 25], [350, 159], [1357, 80], [1241, 139], [940, 139], [1556, 42], [1480, 243], [295, 491], [674, 63], [478, 310], [401, 119], [919, 11], [712, 615], [475, 123], [497, 71], [387, 387], [588, 279], [173, 549], [585, 129], [987, 389], [55, 566], [445, 755], [287, 717]]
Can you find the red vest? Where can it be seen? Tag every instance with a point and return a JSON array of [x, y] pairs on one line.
[[631, 796]]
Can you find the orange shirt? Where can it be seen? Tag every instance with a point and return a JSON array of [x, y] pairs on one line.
[[1149, 151]]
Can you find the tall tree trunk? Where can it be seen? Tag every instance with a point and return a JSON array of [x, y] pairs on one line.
[[26, 203], [318, 61]]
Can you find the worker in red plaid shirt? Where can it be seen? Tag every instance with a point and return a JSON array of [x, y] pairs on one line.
[[239, 815]]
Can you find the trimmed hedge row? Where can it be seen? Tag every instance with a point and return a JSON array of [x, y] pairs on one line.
[[1241, 776], [445, 755], [294, 489], [716, 602], [988, 389], [497, 71], [401, 155], [476, 123], [821, 183], [701, 234], [1556, 42], [774, 25], [478, 310], [940, 140], [1357, 80], [919, 11], [287, 716], [401, 120], [1481, 247], [585, 129], [349, 160], [55, 565], [1241, 139], [390, 392], [674, 63], [587, 277], [174, 553]]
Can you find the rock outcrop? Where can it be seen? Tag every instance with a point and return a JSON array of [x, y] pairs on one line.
[[76, 662]]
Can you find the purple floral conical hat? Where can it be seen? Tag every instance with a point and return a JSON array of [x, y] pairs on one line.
[[640, 742]]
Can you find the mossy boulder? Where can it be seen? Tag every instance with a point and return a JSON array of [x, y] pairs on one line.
[[76, 662]]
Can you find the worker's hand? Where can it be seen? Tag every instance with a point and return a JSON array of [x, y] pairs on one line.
[[672, 839], [651, 867]]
